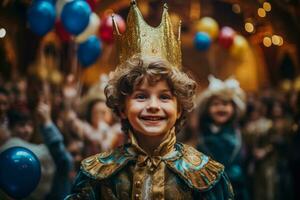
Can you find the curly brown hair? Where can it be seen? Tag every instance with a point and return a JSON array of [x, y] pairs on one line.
[[131, 74]]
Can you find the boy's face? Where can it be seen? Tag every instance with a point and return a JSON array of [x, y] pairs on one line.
[[220, 110], [152, 110]]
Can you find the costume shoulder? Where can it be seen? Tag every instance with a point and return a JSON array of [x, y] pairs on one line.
[[196, 169], [105, 164]]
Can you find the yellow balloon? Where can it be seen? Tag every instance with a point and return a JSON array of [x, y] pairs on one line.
[[239, 45], [208, 25]]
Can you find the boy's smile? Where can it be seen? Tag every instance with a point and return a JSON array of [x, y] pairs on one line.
[[152, 110]]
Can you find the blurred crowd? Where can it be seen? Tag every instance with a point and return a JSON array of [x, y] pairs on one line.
[[65, 123]]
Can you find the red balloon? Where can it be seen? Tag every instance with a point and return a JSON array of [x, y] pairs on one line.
[[106, 28], [226, 37], [92, 4], [61, 32]]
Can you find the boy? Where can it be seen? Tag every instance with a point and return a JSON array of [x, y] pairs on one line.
[[152, 97]]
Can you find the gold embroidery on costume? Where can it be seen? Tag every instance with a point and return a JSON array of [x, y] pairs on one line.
[[151, 168], [198, 170]]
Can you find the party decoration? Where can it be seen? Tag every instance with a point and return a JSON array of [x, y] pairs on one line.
[[92, 4], [239, 45], [89, 51], [75, 16], [20, 172], [61, 32], [41, 17], [208, 25], [202, 41], [59, 6], [226, 37], [50, 1], [106, 28], [91, 29]]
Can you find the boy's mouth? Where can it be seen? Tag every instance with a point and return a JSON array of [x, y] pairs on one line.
[[152, 118]]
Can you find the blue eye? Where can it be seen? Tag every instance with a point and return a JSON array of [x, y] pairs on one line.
[[140, 96], [165, 97]]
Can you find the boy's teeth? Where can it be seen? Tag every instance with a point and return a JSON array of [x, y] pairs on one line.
[[152, 118]]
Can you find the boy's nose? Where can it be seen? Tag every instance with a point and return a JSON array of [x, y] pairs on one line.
[[153, 105]]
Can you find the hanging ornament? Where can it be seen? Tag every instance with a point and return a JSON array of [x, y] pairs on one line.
[[89, 51], [41, 17], [202, 41], [106, 28], [226, 37], [75, 16], [239, 45], [91, 29], [208, 25]]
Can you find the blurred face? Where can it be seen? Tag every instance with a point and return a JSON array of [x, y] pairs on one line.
[[220, 110], [100, 112], [4, 105], [152, 110], [23, 130], [277, 110]]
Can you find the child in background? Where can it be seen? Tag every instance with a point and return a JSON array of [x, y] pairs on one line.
[[220, 108], [152, 97]]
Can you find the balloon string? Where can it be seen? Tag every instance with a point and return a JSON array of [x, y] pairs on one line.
[[75, 68], [211, 60]]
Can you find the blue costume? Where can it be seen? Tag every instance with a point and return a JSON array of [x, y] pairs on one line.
[[224, 146]]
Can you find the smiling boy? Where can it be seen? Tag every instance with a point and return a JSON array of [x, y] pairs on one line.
[[152, 97]]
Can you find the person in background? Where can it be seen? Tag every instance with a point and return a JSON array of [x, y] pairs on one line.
[[219, 109], [63, 160], [4, 106], [21, 131]]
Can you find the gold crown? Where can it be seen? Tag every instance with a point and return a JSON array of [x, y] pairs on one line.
[[143, 39]]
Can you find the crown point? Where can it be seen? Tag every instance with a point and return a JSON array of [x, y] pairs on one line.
[[133, 2], [166, 6]]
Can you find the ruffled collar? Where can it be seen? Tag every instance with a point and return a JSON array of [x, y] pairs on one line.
[[164, 149]]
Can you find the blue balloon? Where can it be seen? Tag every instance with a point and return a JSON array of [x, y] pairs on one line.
[[89, 51], [50, 1], [202, 41], [20, 172], [75, 16], [41, 17]]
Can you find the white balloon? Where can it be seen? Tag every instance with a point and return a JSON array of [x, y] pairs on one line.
[[91, 29], [59, 7]]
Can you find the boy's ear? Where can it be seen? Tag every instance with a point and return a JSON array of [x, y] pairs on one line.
[[122, 113], [179, 111]]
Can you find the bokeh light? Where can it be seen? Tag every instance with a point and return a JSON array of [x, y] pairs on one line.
[[267, 41], [275, 39], [267, 6], [2, 32], [249, 27], [261, 12], [236, 8]]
